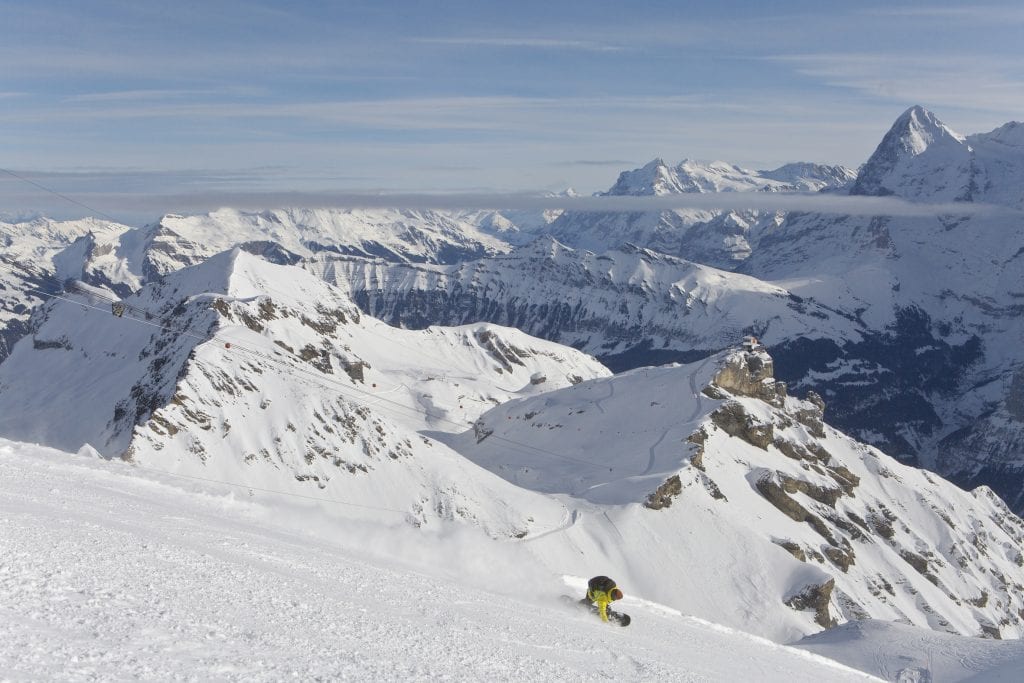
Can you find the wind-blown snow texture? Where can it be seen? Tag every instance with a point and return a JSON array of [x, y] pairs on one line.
[[109, 573], [897, 652]]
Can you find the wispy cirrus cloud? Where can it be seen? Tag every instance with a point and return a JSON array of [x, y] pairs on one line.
[[523, 42], [423, 113], [972, 82], [164, 94], [619, 163], [972, 13]]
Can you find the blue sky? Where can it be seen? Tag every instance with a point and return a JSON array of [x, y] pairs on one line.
[[111, 100]]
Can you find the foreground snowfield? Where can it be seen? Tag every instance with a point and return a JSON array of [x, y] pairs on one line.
[[109, 572], [898, 652]]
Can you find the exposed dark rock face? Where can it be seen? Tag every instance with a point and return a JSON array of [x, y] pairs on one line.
[[662, 497], [776, 494], [734, 421], [793, 549], [840, 557], [815, 597], [813, 417], [919, 563]]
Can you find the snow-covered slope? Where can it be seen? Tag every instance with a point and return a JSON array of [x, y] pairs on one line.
[[418, 236], [36, 256], [999, 155], [629, 306], [109, 573], [897, 652], [246, 370], [737, 504], [515, 226], [266, 377]]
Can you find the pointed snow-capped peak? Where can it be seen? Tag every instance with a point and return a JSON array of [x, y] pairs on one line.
[[654, 178], [919, 158], [917, 129]]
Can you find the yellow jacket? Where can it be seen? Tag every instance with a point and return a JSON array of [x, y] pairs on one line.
[[602, 599]]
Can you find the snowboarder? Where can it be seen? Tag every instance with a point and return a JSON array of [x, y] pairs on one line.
[[601, 592]]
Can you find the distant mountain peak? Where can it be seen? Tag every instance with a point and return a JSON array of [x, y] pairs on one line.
[[654, 178], [918, 129], [691, 175], [919, 158]]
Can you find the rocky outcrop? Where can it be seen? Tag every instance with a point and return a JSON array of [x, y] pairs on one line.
[[662, 497], [773, 487], [815, 597], [750, 374], [735, 421], [812, 415]]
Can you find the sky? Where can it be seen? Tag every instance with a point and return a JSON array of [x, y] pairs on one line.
[[109, 101]]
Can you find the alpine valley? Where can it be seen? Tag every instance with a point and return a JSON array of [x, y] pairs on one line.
[[574, 389]]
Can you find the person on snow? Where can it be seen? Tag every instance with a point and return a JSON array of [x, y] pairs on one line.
[[601, 592]]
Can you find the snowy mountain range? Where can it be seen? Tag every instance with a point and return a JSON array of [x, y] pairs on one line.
[[712, 237], [629, 306], [658, 178], [216, 368], [909, 326], [382, 362], [245, 371], [940, 382], [39, 256]]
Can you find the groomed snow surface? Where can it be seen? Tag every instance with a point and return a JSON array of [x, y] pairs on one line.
[[111, 572]]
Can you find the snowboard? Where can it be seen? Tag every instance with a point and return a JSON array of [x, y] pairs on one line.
[[614, 617]]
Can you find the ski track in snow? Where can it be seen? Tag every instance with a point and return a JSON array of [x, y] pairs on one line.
[[652, 449], [611, 393], [698, 408], [570, 519], [697, 411], [105, 574]]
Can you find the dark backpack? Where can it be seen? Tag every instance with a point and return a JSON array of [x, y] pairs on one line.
[[600, 583]]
